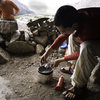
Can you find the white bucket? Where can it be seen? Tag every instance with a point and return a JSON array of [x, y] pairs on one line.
[[45, 74]]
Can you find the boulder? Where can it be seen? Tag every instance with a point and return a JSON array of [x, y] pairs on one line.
[[4, 56], [20, 47], [8, 26], [39, 49]]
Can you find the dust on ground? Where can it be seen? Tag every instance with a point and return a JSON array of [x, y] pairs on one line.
[[19, 76]]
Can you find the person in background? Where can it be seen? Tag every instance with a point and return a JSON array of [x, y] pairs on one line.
[[86, 22], [8, 9]]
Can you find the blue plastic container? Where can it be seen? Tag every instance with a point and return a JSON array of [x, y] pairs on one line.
[[63, 46]]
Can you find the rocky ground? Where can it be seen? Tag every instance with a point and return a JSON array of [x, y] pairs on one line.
[[18, 78]]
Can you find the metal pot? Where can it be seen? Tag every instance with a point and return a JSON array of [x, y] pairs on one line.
[[45, 73]]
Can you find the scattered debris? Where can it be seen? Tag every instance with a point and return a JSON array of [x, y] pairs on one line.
[[43, 30]]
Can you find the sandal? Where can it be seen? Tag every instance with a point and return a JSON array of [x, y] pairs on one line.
[[70, 71], [73, 94]]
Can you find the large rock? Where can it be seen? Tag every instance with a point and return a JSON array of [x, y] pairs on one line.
[[8, 26], [4, 56], [20, 47]]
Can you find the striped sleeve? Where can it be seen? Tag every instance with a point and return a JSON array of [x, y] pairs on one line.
[[59, 40], [73, 56]]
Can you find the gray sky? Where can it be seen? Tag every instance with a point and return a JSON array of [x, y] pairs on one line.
[[51, 6], [46, 6]]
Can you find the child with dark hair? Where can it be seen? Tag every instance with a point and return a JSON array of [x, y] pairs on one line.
[[86, 23], [69, 13]]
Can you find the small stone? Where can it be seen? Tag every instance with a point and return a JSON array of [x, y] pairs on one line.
[[39, 49]]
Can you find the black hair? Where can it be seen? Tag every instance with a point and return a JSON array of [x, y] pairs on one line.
[[65, 16]]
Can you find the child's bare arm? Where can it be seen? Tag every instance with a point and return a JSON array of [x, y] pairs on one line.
[[15, 7]]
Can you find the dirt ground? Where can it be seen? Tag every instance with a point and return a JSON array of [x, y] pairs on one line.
[[18, 80], [19, 76]]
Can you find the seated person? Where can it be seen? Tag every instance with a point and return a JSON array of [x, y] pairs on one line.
[[86, 23], [8, 9]]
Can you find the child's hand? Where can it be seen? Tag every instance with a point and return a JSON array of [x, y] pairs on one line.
[[43, 58], [57, 62]]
